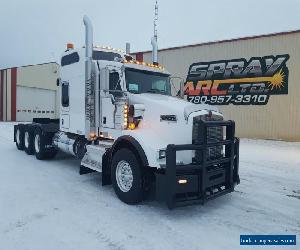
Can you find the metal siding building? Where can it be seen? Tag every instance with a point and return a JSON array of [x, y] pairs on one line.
[[29, 91], [280, 117]]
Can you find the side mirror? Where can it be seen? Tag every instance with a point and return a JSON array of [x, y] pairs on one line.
[[137, 110], [177, 84], [104, 79], [57, 82], [182, 89]]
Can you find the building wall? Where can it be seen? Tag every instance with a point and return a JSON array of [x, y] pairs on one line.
[[8, 94], [43, 105], [280, 117], [41, 76], [34, 79]]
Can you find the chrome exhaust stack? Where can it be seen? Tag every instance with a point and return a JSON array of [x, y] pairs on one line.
[[88, 38], [89, 79], [127, 48], [154, 50]]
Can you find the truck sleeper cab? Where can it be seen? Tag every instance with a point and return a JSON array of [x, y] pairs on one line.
[[118, 117]]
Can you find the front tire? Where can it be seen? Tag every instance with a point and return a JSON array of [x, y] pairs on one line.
[[127, 176]]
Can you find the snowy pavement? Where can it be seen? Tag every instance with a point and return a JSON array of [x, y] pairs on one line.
[[48, 205]]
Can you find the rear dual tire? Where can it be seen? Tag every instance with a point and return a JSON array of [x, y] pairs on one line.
[[40, 146], [33, 141], [19, 137], [28, 142]]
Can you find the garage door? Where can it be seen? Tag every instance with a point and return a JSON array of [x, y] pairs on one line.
[[35, 103]]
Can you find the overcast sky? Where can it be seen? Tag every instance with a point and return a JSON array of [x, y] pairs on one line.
[[36, 31]]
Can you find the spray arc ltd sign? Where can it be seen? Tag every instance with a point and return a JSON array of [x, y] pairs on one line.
[[237, 81]]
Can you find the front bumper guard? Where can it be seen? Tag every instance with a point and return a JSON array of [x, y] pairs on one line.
[[198, 182]]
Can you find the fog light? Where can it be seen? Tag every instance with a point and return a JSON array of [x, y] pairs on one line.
[[162, 154], [182, 181]]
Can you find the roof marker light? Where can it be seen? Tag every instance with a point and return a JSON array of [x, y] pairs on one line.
[[70, 46]]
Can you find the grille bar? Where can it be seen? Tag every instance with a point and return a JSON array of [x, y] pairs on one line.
[[214, 134]]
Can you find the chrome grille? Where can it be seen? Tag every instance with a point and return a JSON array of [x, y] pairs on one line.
[[214, 134]]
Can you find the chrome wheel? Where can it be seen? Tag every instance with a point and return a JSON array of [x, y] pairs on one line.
[[18, 136], [26, 139], [124, 176], [37, 143]]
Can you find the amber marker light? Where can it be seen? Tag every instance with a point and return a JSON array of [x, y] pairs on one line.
[[70, 46], [131, 126], [93, 136], [125, 111]]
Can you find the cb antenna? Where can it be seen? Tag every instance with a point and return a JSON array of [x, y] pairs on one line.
[[155, 20], [154, 38]]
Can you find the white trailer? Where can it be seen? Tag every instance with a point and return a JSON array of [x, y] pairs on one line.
[[117, 115]]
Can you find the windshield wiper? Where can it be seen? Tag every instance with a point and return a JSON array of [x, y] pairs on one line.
[[156, 91]]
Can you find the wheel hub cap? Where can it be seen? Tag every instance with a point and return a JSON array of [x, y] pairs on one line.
[[26, 139], [18, 136], [37, 143], [124, 176]]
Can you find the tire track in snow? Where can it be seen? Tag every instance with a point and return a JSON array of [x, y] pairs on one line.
[[23, 222], [28, 220]]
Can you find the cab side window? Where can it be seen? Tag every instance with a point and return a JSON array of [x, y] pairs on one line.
[[65, 94], [70, 59], [114, 83]]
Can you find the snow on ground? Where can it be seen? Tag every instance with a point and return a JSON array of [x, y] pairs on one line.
[[48, 205]]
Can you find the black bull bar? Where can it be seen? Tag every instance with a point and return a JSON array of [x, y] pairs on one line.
[[198, 182]]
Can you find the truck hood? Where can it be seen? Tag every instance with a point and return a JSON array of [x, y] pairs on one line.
[[154, 133], [168, 105]]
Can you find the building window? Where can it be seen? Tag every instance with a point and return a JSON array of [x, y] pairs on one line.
[[69, 59], [65, 94]]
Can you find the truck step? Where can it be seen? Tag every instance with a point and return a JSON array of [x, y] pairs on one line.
[[93, 156]]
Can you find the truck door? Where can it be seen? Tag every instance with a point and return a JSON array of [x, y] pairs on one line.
[[107, 101]]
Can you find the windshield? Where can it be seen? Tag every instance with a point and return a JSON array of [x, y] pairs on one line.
[[138, 81]]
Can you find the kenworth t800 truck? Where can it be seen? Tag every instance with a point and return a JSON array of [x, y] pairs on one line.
[[118, 117]]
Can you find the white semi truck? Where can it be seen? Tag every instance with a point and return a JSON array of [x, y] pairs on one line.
[[117, 116]]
